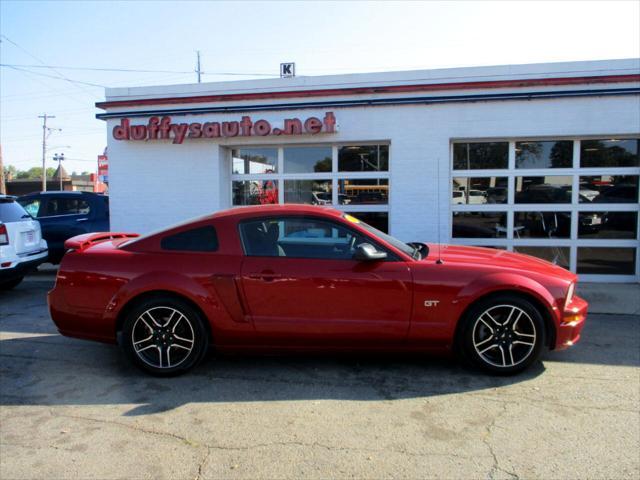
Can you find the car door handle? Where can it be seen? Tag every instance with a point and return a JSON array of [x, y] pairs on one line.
[[266, 276], [82, 220]]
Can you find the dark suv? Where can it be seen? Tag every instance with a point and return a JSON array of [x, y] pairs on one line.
[[63, 215]]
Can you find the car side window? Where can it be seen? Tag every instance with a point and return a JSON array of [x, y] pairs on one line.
[[202, 239], [32, 206], [67, 206], [299, 237]]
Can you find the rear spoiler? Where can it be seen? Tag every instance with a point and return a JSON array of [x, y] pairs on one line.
[[84, 241]]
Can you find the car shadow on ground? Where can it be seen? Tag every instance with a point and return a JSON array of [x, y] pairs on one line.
[[52, 370]]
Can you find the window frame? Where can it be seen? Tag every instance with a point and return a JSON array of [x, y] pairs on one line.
[[391, 256], [574, 207]]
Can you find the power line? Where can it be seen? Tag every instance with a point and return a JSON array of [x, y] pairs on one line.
[[132, 70], [53, 76], [34, 78], [96, 69], [42, 62]]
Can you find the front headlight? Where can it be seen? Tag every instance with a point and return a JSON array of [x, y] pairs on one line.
[[572, 288]]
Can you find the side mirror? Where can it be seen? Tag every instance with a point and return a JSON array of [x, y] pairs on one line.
[[365, 252]]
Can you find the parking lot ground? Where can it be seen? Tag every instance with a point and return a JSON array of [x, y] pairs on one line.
[[70, 408]]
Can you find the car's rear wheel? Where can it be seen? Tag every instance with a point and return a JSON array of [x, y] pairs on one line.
[[503, 334], [8, 285], [165, 336]]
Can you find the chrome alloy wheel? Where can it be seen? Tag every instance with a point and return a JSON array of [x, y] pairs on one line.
[[162, 337], [504, 336]]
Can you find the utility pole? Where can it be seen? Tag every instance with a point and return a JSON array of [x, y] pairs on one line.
[[198, 71], [59, 158], [3, 189], [44, 149]]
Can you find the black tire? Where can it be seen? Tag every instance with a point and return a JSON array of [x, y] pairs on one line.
[[162, 339], [502, 335], [8, 285]]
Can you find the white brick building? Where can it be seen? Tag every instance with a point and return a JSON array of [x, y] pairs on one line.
[[542, 158]]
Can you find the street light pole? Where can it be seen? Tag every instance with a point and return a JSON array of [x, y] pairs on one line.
[[44, 149], [59, 158]]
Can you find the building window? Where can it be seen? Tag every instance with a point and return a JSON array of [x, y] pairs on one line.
[[608, 225], [368, 158], [313, 192], [353, 178], [255, 160], [609, 153], [584, 220], [307, 159], [255, 192], [364, 191], [609, 189], [480, 156], [606, 261], [479, 190], [379, 220], [479, 224], [544, 154], [542, 225], [547, 189]]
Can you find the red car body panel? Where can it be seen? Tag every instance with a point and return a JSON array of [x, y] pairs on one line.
[[279, 303]]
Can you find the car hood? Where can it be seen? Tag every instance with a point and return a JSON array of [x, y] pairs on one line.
[[498, 259]]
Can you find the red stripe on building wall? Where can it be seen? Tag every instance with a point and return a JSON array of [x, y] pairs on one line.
[[374, 90]]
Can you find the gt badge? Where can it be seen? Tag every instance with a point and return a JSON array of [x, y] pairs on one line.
[[431, 303]]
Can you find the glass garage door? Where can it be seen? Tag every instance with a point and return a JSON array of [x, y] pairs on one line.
[[570, 201]]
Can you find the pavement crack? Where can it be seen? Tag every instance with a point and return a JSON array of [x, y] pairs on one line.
[[136, 428], [487, 442], [211, 447], [203, 463]]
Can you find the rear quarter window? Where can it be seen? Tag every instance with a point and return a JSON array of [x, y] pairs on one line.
[[203, 239], [11, 211]]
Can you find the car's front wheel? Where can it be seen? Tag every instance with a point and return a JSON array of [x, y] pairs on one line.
[[503, 334], [165, 337]]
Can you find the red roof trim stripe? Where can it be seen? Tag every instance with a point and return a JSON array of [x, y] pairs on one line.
[[374, 90]]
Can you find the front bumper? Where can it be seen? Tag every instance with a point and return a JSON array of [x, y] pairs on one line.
[[572, 322], [23, 267]]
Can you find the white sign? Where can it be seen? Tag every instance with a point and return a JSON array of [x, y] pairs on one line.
[[287, 70]]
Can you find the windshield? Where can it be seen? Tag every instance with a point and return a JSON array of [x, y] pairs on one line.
[[403, 247]]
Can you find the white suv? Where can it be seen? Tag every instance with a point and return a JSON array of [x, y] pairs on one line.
[[22, 248]]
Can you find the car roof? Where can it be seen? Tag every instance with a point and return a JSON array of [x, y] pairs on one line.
[[62, 192], [289, 209], [7, 198]]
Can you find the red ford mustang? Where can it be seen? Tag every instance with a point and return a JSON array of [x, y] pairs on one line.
[[278, 278]]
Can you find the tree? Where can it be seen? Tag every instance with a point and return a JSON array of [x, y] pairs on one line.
[[10, 171], [35, 173]]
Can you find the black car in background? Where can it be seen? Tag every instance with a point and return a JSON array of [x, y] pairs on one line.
[[63, 215]]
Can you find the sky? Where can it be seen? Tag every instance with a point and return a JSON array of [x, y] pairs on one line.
[[250, 40]]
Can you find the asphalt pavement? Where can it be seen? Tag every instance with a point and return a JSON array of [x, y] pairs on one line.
[[76, 409]]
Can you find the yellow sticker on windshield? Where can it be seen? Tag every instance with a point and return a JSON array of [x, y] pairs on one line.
[[351, 219]]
